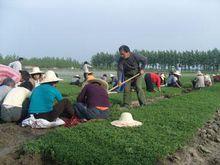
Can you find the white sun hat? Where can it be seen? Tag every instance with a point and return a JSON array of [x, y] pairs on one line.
[[111, 75], [177, 73], [163, 76], [77, 76], [50, 76], [126, 120], [36, 70]]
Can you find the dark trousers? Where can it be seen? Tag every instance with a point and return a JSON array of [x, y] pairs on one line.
[[62, 108], [85, 76], [149, 84], [84, 112], [139, 91]]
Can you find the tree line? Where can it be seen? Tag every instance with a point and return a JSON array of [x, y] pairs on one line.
[[187, 60], [44, 62]]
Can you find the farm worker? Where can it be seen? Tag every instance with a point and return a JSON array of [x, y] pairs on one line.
[[113, 80], [76, 80], [150, 80], [6, 71], [208, 80], [5, 87], [199, 81], [85, 68], [93, 101], [174, 79], [43, 98], [104, 77], [163, 79], [12, 107], [17, 65], [131, 64], [36, 75]]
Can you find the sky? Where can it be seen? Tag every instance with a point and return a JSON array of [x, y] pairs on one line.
[[81, 28]]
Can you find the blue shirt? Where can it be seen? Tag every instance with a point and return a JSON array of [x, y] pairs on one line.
[[43, 98]]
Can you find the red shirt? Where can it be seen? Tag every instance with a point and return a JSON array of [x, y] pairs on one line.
[[155, 78]]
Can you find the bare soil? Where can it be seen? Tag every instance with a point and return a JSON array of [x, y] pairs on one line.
[[12, 136], [204, 149]]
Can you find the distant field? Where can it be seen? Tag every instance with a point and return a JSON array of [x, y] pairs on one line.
[[67, 74]]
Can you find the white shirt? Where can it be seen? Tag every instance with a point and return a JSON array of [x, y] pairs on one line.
[[16, 65], [16, 97], [37, 83], [86, 68], [207, 78]]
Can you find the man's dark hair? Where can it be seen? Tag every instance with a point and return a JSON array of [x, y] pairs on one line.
[[124, 48], [20, 59], [25, 75], [28, 85], [86, 62]]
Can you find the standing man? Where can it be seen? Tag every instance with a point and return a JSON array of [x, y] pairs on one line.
[[17, 65], [131, 64], [85, 68]]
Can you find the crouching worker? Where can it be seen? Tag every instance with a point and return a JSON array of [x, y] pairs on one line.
[[93, 101], [150, 80], [199, 81], [174, 79], [13, 108], [43, 98]]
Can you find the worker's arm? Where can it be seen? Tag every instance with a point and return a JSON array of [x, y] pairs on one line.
[[142, 60], [81, 97]]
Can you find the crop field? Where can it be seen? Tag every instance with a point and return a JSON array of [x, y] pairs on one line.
[[170, 120]]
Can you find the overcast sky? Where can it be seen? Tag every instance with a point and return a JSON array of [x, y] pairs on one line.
[[81, 28]]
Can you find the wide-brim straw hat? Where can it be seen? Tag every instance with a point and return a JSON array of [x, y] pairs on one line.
[[163, 76], [50, 76], [36, 70], [126, 120], [177, 73], [103, 83]]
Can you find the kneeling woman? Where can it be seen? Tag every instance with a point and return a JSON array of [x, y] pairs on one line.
[[93, 101], [43, 98], [14, 106]]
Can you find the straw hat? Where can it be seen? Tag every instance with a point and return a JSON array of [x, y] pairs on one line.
[[111, 75], [162, 76], [36, 70], [199, 73], [177, 73], [103, 83], [90, 77], [50, 76], [126, 120]]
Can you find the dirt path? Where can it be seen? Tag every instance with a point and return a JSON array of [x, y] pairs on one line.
[[204, 149], [12, 136]]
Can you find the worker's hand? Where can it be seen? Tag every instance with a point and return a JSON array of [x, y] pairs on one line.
[[141, 71], [119, 83]]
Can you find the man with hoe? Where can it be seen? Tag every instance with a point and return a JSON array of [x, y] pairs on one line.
[[131, 64]]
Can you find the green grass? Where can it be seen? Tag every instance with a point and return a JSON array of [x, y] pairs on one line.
[[167, 126]]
